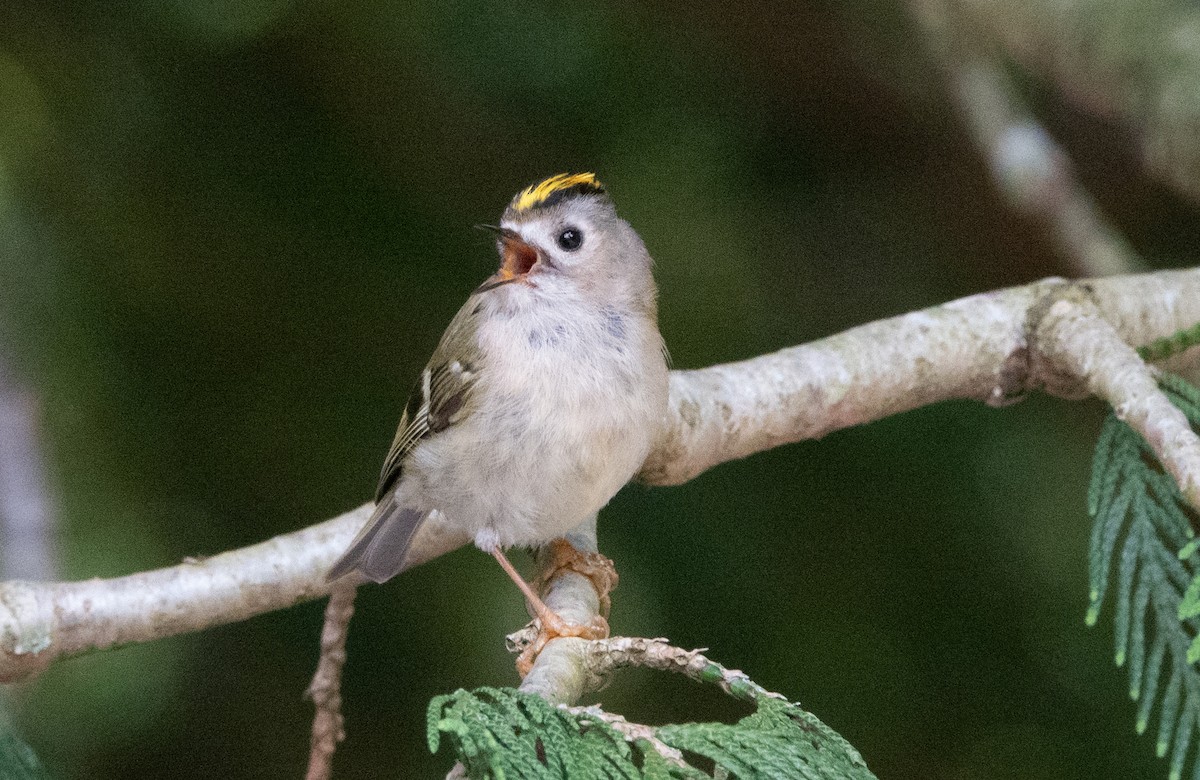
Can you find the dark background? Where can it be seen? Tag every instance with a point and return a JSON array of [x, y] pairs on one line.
[[231, 233]]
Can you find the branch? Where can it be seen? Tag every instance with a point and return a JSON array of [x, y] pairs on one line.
[[41, 621], [976, 348], [600, 658], [981, 347], [593, 661], [1031, 170], [1136, 63], [1079, 340], [587, 665]]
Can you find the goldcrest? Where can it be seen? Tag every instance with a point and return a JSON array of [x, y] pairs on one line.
[[542, 399]]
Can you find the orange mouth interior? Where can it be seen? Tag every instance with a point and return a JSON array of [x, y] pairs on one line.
[[519, 258]]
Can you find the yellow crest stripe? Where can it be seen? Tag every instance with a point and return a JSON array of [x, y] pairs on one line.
[[533, 195]]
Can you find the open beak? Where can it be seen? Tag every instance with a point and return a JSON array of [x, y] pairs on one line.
[[516, 258]]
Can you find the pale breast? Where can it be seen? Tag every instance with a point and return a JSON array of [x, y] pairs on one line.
[[568, 419]]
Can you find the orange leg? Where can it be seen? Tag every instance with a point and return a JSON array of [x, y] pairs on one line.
[[551, 626]]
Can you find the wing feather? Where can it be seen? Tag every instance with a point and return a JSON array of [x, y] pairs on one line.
[[441, 397]]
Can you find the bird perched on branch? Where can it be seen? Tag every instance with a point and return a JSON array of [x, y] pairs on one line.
[[541, 401]]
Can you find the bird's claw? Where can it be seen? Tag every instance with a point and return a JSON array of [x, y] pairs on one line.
[[550, 627], [564, 556]]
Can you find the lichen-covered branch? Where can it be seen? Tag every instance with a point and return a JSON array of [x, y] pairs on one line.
[[42, 621], [976, 347], [569, 668], [1031, 171], [1132, 62], [592, 661], [981, 347]]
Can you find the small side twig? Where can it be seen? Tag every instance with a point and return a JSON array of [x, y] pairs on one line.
[[325, 688], [632, 732], [587, 665], [1082, 345], [577, 666], [605, 656]]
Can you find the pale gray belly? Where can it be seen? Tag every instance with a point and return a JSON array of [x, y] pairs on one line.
[[529, 476]]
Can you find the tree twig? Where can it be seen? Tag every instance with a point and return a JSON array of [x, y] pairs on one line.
[[632, 732], [1078, 341], [596, 659], [325, 690]]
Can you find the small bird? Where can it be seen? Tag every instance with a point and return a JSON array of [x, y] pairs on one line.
[[542, 399]]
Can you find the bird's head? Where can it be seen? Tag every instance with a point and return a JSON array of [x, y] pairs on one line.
[[562, 236]]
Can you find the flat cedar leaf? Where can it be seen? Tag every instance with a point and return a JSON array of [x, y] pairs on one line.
[[1171, 345], [503, 733], [780, 740], [656, 767], [1143, 528], [1190, 606]]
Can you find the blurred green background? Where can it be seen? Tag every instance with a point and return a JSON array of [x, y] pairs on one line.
[[231, 232]]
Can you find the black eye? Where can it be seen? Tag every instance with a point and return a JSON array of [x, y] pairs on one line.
[[570, 239]]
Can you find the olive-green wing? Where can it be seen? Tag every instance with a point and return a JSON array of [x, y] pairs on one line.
[[441, 397]]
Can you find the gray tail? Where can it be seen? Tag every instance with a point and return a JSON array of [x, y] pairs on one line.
[[379, 550]]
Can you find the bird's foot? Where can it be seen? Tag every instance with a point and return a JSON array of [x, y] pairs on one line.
[[550, 627], [561, 556]]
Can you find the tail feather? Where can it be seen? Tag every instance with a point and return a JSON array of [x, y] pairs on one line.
[[379, 550]]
